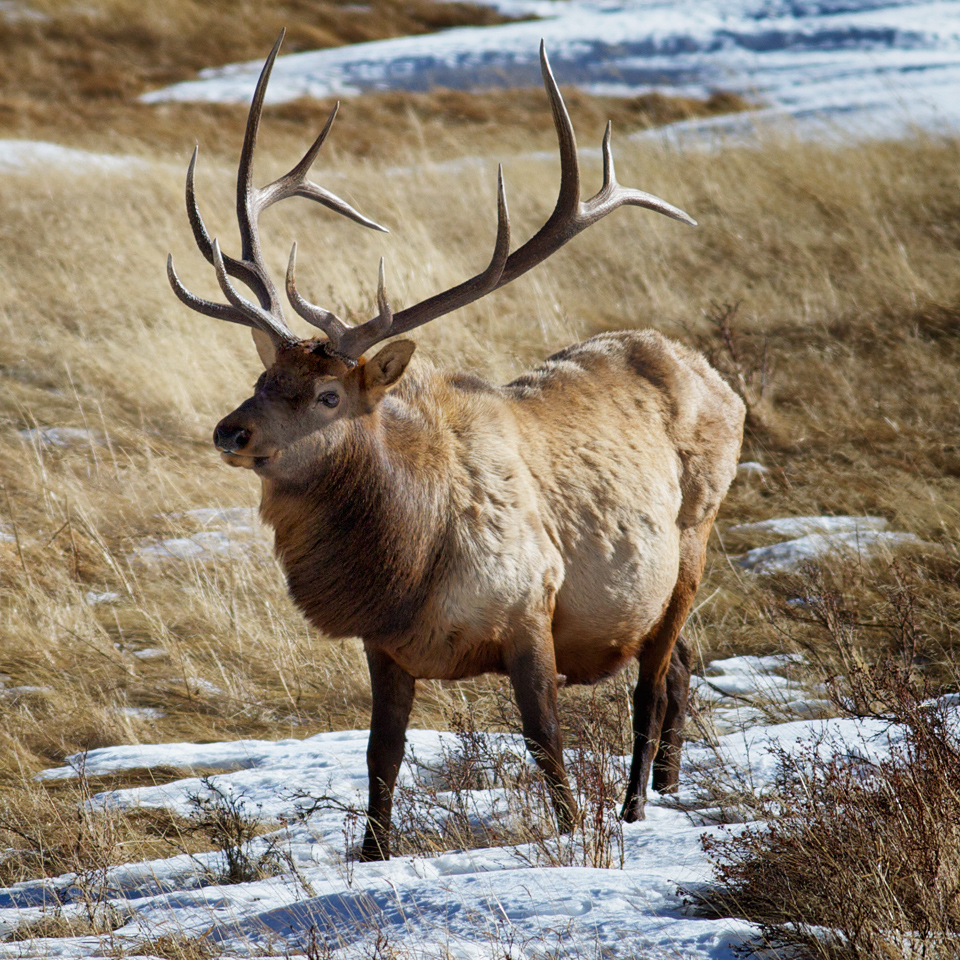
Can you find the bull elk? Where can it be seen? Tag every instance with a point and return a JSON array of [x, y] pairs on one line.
[[552, 529]]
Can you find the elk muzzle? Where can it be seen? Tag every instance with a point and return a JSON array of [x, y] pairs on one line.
[[230, 439], [241, 446]]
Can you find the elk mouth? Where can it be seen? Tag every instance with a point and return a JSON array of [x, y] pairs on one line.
[[248, 462]]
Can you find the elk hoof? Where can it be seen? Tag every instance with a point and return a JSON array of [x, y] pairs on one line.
[[632, 811]]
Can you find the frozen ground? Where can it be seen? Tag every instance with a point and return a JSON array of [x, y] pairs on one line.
[[837, 67], [817, 539], [470, 904], [22, 156]]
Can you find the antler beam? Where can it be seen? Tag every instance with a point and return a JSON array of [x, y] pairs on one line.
[[570, 216]]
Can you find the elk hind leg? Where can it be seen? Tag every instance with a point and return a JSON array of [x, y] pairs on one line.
[[666, 763], [657, 698]]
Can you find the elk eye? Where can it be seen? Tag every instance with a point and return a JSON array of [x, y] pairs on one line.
[[330, 399]]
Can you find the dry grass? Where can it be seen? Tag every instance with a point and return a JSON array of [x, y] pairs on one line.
[[117, 49], [843, 263], [95, 339]]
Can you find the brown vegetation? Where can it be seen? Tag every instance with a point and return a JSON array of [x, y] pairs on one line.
[[884, 835], [118, 49], [843, 263], [854, 291]]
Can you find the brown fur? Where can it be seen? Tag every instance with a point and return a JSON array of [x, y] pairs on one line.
[[551, 529]]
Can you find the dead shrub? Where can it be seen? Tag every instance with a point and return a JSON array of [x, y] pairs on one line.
[[860, 860], [224, 817], [850, 615], [171, 946], [743, 358], [60, 924]]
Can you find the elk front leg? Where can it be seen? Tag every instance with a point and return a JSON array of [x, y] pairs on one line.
[[393, 690], [532, 667]]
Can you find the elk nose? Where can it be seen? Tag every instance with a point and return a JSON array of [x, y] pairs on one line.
[[230, 439]]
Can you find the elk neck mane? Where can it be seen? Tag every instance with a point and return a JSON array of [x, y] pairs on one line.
[[360, 530]]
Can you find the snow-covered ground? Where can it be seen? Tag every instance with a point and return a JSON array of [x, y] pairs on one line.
[[460, 903], [848, 67], [18, 156], [829, 69], [858, 67]]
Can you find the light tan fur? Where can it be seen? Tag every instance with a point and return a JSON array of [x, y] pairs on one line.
[[551, 529]]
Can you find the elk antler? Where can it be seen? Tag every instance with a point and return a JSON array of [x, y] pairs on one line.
[[267, 315], [570, 216]]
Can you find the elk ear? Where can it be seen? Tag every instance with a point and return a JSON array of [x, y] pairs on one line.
[[376, 376], [387, 367], [265, 347]]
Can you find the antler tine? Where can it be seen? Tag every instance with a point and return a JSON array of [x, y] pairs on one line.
[[261, 319], [357, 340], [382, 324], [268, 316], [327, 321], [611, 195], [208, 307], [568, 198], [296, 184], [570, 216], [251, 202], [236, 268], [247, 194]]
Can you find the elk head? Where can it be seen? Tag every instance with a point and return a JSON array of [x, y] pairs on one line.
[[298, 401], [311, 385]]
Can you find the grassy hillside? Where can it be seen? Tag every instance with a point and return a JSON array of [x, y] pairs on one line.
[[823, 283], [72, 72], [847, 307]]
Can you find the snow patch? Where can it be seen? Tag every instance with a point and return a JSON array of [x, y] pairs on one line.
[[816, 539], [229, 533], [789, 556], [750, 468], [801, 526], [230, 518], [861, 68], [470, 902], [205, 545], [746, 690], [62, 437], [93, 599], [23, 156], [26, 692], [13, 11], [150, 653], [142, 713], [461, 903]]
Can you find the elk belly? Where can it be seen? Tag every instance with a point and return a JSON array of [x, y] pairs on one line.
[[611, 600]]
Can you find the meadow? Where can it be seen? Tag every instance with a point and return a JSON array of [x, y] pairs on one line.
[[822, 281]]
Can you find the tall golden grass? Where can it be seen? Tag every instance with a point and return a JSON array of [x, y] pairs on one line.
[[844, 262]]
